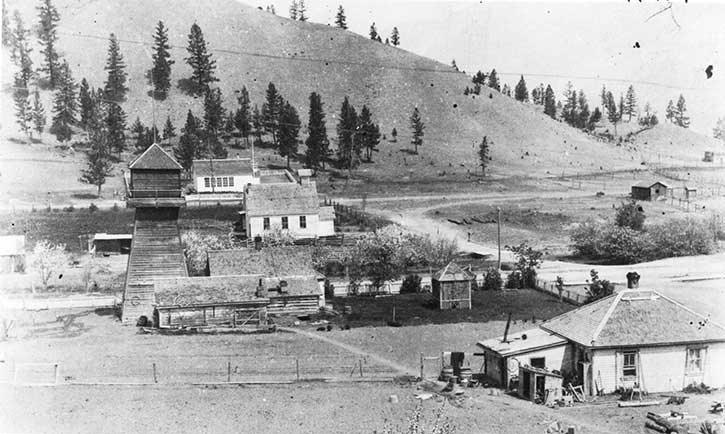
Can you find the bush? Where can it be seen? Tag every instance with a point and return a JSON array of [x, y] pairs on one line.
[[492, 280], [69, 208], [411, 284], [527, 261], [48, 260], [630, 215], [514, 280], [585, 238], [329, 289], [92, 208], [680, 237], [598, 288]]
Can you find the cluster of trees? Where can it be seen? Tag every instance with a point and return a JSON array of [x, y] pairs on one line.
[[297, 10], [575, 110], [394, 38], [676, 113], [355, 133], [627, 240]]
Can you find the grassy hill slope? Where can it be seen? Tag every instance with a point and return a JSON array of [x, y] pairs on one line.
[[253, 47]]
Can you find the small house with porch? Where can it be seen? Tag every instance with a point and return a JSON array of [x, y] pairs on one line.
[[452, 286], [648, 190]]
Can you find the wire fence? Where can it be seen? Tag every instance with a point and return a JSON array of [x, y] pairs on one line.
[[197, 370]]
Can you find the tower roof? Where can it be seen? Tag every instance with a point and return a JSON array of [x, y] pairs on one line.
[[154, 157]]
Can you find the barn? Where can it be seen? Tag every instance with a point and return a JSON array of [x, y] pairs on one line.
[[643, 337], [305, 287], [648, 190], [452, 287]]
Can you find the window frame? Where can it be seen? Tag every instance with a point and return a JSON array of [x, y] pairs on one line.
[[265, 223], [631, 368], [285, 222], [231, 181], [303, 222], [225, 181], [207, 182], [701, 354]]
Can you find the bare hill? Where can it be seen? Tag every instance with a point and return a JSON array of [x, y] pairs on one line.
[[253, 47]]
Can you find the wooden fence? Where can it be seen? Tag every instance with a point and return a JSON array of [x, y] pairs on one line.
[[576, 298]]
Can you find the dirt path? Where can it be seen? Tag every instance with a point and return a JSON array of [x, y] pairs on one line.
[[400, 369]]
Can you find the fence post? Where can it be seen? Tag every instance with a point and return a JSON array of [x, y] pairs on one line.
[[297, 368], [361, 370], [421, 366], [55, 372], [229, 371], [154, 368]]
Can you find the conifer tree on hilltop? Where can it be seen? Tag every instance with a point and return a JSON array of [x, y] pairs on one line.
[[483, 155], [630, 103], [64, 105], [38, 113], [454, 65], [23, 110], [289, 130], [521, 93], [20, 52], [301, 11], [202, 65], [161, 69], [243, 115], [293, 10], [613, 114], [670, 111], [115, 87], [395, 37], [213, 112], [680, 118], [373, 32], [317, 142], [493, 82], [417, 126], [48, 37], [549, 102], [340, 18], [115, 123], [271, 110]]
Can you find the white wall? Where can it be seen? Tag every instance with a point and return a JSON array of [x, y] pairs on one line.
[[240, 183], [556, 358], [255, 226]]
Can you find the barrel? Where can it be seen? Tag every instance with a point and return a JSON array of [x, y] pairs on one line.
[[446, 373], [466, 374]]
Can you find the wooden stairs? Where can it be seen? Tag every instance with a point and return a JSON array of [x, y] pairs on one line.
[[156, 252]]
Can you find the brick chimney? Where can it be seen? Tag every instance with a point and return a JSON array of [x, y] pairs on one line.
[[633, 280]]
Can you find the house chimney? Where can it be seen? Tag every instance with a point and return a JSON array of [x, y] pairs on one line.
[[261, 291], [257, 243], [633, 280]]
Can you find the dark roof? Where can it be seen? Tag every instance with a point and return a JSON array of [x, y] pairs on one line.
[[228, 167], [282, 199], [154, 157], [649, 184], [269, 261], [187, 291], [195, 291], [453, 273], [634, 318]]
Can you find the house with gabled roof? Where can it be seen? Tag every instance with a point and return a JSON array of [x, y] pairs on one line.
[[634, 337], [452, 286], [649, 190], [231, 175]]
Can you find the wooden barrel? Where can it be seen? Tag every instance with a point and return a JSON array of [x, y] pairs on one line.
[[466, 374], [446, 373]]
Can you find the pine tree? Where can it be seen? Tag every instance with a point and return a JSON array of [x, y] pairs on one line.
[[479, 78], [583, 113], [86, 104], [369, 133], [681, 119], [613, 114], [387, 41], [257, 123], [38, 113], [242, 117], [115, 87], [630, 103], [161, 69], [417, 126], [454, 65], [289, 130], [213, 112], [138, 132], [549, 102], [373, 32], [346, 148], [20, 49], [594, 119], [718, 131], [23, 110], [317, 142], [395, 37], [483, 155], [169, 131], [394, 135], [48, 36], [521, 93], [301, 10], [98, 161], [115, 123], [202, 65], [493, 82], [603, 97], [293, 10], [569, 109], [64, 104], [340, 19], [270, 9], [7, 34], [271, 110], [188, 147], [670, 112]]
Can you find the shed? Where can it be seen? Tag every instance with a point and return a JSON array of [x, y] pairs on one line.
[[111, 244], [452, 287], [649, 190], [223, 175], [535, 382], [535, 347], [12, 254]]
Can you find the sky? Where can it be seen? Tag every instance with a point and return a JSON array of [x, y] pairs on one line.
[[588, 43]]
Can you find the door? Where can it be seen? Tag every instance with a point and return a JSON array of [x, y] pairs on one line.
[[525, 384]]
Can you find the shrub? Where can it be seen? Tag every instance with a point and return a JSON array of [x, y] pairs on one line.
[[680, 237], [527, 261], [623, 245], [92, 208], [48, 260], [411, 284], [514, 280], [329, 289], [598, 288], [585, 238], [630, 215], [69, 208], [492, 280]]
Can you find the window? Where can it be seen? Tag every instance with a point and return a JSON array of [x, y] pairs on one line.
[[695, 358], [629, 365], [219, 181], [538, 362], [303, 222], [265, 223], [225, 182], [285, 223], [231, 181], [207, 182], [213, 181]]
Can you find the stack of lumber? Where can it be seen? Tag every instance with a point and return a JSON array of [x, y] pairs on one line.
[[665, 424]]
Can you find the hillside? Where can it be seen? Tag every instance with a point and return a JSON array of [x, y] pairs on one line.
[[253, 47]]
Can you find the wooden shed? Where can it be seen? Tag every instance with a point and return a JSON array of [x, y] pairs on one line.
[[534, 383], [452, 287], [12, 254], [111, 244], [649, 190]]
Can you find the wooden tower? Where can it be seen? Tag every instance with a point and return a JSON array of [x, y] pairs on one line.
[[452, 287], [154, 190]]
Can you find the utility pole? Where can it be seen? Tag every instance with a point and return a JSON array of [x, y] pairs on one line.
[[499, 236]]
